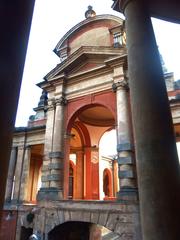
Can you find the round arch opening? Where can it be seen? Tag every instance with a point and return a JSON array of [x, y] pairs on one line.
[[81, 230], [85, 129]]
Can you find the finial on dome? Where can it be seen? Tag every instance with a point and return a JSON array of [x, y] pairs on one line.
[[90, 12]]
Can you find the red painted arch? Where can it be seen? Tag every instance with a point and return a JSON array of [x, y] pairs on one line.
[[106, 99], [75, 106]]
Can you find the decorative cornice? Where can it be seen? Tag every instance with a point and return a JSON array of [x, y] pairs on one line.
[[21, 130]]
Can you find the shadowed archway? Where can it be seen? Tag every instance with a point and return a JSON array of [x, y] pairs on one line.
[[71, 231]]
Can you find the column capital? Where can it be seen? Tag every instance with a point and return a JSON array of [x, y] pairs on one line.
[[123, 84], [61, 101], [51, 104]]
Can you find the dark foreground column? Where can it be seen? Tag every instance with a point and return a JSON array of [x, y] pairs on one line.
[[15, 21], [156, 155]]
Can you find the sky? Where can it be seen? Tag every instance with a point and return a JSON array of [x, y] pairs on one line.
[[51, 20]]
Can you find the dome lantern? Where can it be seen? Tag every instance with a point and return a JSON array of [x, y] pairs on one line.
[[90, 12]]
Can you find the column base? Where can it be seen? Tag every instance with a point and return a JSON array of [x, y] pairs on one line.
[[51, 194], [128, 194]]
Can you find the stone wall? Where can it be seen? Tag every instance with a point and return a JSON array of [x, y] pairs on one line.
[[120, 218]]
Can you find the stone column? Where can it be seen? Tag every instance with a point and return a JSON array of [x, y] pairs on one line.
[[57, 154], [156, 154], [126, 163], [52, 172], [20, 152], [11, 171], [23, 195], [44, 191]]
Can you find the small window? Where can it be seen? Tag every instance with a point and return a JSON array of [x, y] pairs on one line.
[[119, 39]]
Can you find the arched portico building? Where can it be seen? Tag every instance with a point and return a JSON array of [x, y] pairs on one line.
[[88, 95]]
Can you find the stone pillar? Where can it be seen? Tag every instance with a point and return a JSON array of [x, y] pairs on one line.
[[18, 173], [44, 190], [156, 154], [52, 174], [21, 173], [57, 154], [126, 163], [23, 195], [11, 171]]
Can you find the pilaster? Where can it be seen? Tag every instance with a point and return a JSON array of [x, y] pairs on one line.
[[18, 173], [79, 186], [23, 193], [48, 142]]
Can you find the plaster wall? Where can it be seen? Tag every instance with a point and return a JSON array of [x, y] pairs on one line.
[[95, 37]]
